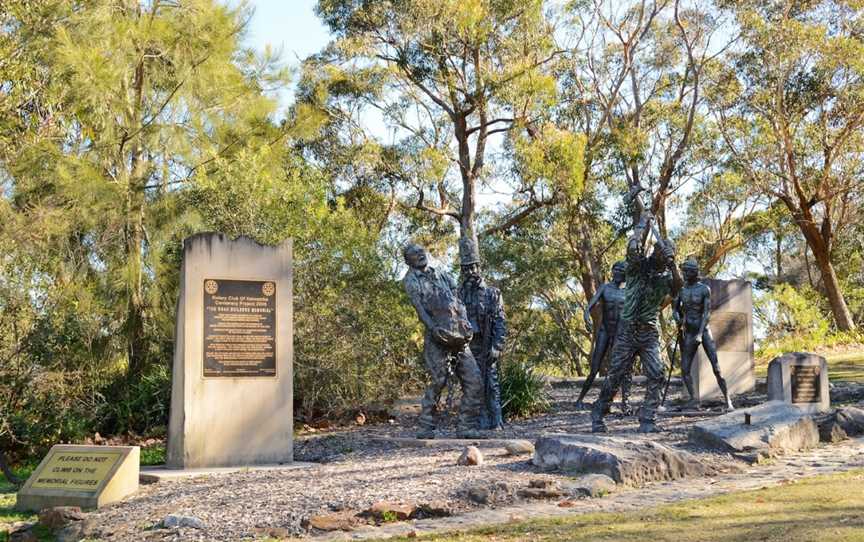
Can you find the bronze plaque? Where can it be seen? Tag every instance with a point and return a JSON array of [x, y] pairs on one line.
[[239, 328], [805, 383], [730, 331]]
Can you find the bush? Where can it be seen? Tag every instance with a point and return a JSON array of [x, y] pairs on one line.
[[795, 320], [523, 391]]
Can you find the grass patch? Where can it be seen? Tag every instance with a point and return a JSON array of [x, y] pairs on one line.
[[816, 509], [846, 367], [8, 514]]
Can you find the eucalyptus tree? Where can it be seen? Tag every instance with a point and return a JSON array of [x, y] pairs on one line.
[[790, 106], [447, 77], [632, 87]]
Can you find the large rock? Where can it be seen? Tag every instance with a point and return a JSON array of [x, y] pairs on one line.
[[471, 456], [775, 426], [178, 521], [519, 447], [341, 521], [851, 419], [627, 460], [389, 510], [59, 516], [590, 485]]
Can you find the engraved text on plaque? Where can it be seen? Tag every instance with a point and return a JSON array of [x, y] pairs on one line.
[[239, 328], [805, 383]]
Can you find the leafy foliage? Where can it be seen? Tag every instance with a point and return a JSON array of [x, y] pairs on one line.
[[523, 391]]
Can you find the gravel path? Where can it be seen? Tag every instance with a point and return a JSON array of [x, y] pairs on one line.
[[836, 458], [355, 469]]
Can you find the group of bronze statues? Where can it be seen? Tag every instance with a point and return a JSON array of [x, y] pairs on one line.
[[464, 337], [465, 331]]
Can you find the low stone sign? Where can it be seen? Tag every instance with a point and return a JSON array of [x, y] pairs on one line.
[[800, 378], [83, 476], [732, 327]]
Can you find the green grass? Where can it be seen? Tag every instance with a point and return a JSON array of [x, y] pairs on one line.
[[846, 367], [817, 509], [8, 514]]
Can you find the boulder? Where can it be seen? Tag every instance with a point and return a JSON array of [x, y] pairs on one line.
[[479, 494], [470, 456], [519, 447], [59, 516], [851, 419], [76, 531], [177, 521], [433, 509], [590, 485], [539, 493], [541, 483], [632, 460], [775, 426], [342, 521], [22, 532], [830, 431], [389, 510]]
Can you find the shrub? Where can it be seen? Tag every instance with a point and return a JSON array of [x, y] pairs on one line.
[[523, 391]]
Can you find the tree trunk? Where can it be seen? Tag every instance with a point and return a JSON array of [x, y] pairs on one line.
[[821, 253], [7, 471], [135, 202], [842, 314]]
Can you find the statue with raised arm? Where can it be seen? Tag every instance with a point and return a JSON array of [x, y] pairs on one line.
[[486, 314], [610, 297], [446, 338], [649, 280], [692, 311]]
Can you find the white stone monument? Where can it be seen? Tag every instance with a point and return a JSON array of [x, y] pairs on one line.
[[232, 394], [731, 325]]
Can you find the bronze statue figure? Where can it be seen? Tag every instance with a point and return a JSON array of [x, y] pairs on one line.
[[692, 311], [649, 279], [610, 297], [446, 338], [486, 315]]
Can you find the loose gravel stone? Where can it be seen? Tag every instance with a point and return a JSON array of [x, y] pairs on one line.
[[355, 468]]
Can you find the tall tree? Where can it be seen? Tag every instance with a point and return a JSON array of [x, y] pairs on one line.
[[632, 88], [791, 109], [450, 75], [98, 172]]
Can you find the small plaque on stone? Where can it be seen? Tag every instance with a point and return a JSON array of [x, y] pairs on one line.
[[83, 476], [801, 379]]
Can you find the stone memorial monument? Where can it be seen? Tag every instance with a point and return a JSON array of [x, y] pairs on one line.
[[232, 385], [732, 327], [800, 378], [82, 476]]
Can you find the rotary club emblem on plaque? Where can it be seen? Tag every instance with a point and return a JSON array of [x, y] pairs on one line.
[[268, 289], [211, 286]]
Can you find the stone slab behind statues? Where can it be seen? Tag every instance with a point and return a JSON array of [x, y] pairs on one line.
[[232, 383], [732, 327]]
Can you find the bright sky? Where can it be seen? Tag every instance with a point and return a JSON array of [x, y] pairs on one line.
[[289, 26]]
